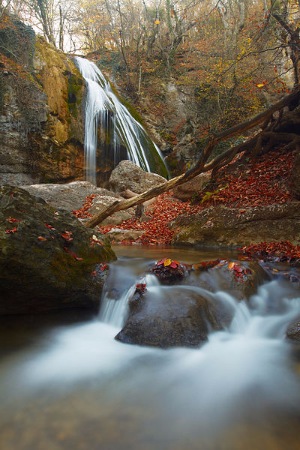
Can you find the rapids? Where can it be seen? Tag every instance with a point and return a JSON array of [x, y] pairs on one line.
[[73, 386]]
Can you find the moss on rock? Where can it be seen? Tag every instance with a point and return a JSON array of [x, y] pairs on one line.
[[48, 259]]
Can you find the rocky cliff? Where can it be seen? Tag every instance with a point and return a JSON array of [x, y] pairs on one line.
[[41, 125]]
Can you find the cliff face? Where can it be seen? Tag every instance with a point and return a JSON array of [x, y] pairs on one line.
[[41, 124]]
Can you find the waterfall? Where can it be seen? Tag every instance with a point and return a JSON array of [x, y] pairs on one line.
[[109, 120]]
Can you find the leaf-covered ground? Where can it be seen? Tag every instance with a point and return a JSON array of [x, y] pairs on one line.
[[246, 182]]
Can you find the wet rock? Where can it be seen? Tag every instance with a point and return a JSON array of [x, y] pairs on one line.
[[168, 271], [172, 317], [238, 278], [293, 331], [129, 176], [184, 313], [48, 259], [232, 227], [283, 271]]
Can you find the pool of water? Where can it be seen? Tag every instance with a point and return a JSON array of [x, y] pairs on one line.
[[65, 383]]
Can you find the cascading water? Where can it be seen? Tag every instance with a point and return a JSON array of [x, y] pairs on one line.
[[108, 118], [174, 399]]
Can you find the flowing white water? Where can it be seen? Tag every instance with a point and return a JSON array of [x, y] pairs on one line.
[[243, 371], [106, 114]]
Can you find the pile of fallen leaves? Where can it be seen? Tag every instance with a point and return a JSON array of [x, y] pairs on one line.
[[253, 182], [244, 183], [283, 251], [155, 224]]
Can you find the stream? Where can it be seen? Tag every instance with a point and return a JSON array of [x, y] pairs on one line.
[[65, 383]]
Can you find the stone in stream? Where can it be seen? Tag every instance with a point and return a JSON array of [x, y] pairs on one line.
[[183, 309], [172, 318]]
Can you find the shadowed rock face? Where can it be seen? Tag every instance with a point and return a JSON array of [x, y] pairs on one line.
[[48, 259], [41, 126]]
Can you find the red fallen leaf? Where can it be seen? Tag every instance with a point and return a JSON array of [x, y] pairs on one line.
[[50, 227], [67, 236], [42, 238], [141, 287], [12, 220], [161, 262], [174, 265], [73, 254], [13, 230]]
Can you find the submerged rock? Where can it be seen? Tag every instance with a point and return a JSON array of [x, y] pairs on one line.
[[48, 259]]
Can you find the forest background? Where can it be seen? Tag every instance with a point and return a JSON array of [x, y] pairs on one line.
[[228, 59]]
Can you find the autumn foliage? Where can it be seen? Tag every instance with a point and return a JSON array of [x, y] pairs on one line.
[[246, 182]]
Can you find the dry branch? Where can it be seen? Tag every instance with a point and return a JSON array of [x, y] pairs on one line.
[[203, 165]]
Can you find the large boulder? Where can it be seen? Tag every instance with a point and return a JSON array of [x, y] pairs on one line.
[[232, 227], [128, 175], [173, 317], [82, 198], [48, 259], [41, 124], [69, 196]]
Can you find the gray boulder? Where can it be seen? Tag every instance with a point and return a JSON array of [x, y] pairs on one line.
[[128, 175]]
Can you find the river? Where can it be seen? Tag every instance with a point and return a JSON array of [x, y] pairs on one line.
[[65, 383]]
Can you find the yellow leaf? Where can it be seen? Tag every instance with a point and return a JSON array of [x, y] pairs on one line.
[[167, 262], [231, 265], [157, 22]]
